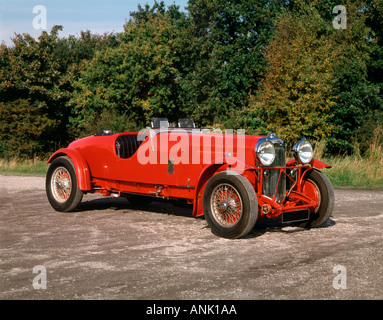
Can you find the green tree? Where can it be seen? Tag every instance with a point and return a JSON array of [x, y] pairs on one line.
[[138, 78], [321, 82], [23, 128], [36, 84], [32, 93], [228, 40], [295, 99], [357, 88]]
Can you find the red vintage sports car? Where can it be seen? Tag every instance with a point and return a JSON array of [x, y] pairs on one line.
[[231, 179]]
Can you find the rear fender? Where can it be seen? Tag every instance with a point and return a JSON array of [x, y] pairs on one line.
[[81, 167]]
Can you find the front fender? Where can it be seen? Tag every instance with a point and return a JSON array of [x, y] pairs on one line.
[[81, 166], [219, 165], [319, 164], [314, 162]]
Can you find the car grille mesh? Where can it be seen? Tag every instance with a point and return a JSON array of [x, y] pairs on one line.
[[271, 176]]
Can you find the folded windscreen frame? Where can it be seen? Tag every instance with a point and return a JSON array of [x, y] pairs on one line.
[[159, 123], [186, 123]]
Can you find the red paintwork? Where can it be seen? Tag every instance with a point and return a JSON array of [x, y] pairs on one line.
[[314, 162], [318, 164], [81, 166], [100, 170]]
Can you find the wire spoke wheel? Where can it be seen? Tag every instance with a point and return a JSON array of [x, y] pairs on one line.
[[226, 205], [61, 184], [230, 205]]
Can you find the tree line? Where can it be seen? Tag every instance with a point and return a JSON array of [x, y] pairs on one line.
[[259, 65]]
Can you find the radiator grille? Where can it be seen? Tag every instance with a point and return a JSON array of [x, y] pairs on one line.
[[271, 176]]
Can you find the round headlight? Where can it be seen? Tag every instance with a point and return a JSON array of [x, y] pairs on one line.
[[303, 151], [265, 152]]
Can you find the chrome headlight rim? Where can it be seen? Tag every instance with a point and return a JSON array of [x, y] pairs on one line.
[[262, 150], [303, 151]]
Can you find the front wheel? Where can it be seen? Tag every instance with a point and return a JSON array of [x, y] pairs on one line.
[[61, 185], [230, 205], [317, 186]]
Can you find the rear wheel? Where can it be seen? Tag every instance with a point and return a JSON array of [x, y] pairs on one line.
[[230, 205], [317, 186], [61, 185]]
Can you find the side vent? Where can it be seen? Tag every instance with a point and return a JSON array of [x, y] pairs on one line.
[[127, 145]]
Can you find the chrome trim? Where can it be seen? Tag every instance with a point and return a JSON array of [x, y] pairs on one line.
[[142, 134], [258, 145], [274, 181], [271, 138], [296, 151]]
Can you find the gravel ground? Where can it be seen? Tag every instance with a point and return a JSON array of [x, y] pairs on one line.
[[109, 249], [18, 183]]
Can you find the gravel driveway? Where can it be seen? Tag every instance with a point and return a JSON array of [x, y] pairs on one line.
[[109, 249]]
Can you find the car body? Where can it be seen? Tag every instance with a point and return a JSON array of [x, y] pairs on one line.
[[231, 179]]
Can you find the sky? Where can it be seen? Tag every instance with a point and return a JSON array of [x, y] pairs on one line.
[[98, 16]]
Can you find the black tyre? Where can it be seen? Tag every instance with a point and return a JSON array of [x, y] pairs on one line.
[[230, 205], [61, 185], [317, 185]]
